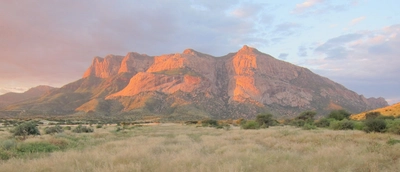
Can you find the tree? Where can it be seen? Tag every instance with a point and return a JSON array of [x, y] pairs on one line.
[[375, 125], [265, 120], [339, 114], [372, 115], [306, 117], [25, 129]]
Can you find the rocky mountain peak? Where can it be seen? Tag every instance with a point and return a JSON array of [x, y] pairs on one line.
[[197, 85], [104, 67], [246, 49]]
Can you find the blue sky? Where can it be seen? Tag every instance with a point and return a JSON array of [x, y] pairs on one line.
[[352, 42]]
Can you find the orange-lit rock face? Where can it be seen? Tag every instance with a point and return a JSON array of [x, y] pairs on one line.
[[104, 67], [244, 65], [134, 62], [143, 82], [167, 62]]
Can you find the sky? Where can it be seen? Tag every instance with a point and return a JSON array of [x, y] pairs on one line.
[[355, 43]]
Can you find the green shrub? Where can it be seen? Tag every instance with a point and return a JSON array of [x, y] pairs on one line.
[[393, 126], [372, 115], [386, 117], [308, 126], [323, 123], [358, 125], [209, 123], [67, 128], [342, 125], [392, 141], [297, 122], [52, 130], [339, 114], [35, 147], [99, 125], [9, 144], [5, 155], [306, 117], [375, 125], [265, 120], [82, 129], [25, 129], [250, 125]]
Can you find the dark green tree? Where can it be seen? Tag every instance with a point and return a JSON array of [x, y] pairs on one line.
[[265, 120], [375, 125], [372, 115], [25, 129], [339, 114]]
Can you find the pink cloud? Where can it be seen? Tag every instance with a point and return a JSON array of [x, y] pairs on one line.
[[305, 5], [357, 20]]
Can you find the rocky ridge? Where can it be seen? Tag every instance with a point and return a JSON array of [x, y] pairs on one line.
[[192, 85]]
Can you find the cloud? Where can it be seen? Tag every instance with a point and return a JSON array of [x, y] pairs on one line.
[[15, 90], [53, 42], [357, 20], [336, 48], [318, 7], [283, 56], [367, 61], [302, 51], [306, 5], [287, 28]]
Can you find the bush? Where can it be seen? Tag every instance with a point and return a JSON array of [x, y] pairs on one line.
[[342, 125], [375, 125], [358, 125], [372, 115], [265, 120], [308, 126], [99, 125], [324, 122], [393, 126], [35, 147], [209, 123], [67, 128], [82, 129], [52, 130], [25, 129], [339, 115], [250, 125], [306, 117]]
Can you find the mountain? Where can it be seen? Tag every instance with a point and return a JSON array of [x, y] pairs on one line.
[[194, 85], [392, 110], [10, 98]]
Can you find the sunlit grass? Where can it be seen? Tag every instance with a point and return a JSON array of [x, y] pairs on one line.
[[190, 148]]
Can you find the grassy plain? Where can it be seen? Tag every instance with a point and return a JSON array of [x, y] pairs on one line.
[[175, 147]]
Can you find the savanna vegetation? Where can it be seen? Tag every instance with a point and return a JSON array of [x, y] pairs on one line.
[[332, 143]]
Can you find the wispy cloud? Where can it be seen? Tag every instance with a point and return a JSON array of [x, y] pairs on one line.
[[306, 5], [287, 28], [302, 51], [356, 59], [357, 20], [283, 56]]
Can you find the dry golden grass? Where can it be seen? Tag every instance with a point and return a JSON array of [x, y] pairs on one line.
[[392, 110], [187, 148]]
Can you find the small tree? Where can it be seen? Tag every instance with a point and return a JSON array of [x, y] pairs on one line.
[[82, 129], [306, 117], [265, 120], [339, 115], [372, 115], [324, 122], [375, 125], [250, 125], [52, 130], [25, 129]]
